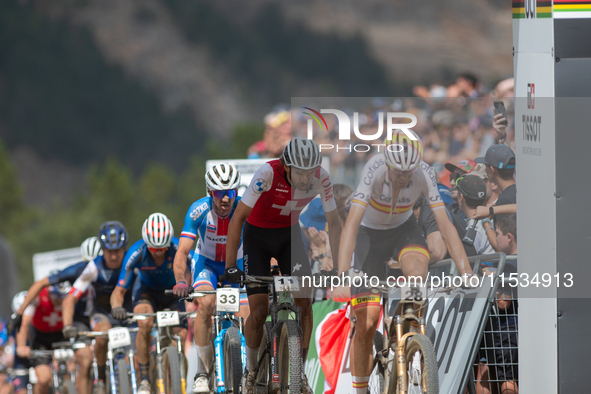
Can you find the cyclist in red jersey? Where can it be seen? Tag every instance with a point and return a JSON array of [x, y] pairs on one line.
[[271, 207], [42, 325]]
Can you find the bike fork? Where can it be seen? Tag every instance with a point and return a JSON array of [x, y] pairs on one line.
[[159, 364], [111, 362], [132, 374], [94, 364], [179, 346], [400, 357], [220, 386]]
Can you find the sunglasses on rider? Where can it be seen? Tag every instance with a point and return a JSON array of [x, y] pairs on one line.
[[155, 250], [220, 194]]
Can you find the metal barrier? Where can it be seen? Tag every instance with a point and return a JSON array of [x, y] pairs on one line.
[[495, 369]]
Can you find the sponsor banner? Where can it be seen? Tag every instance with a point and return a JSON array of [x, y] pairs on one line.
[[44, 263]]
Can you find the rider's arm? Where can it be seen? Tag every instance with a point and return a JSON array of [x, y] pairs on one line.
[[334, 232], [118, 296], [452, 241], [180, 259], [33, 292], [89, 275], [23, 334], [349, 237], [68, 307], [235, 233]]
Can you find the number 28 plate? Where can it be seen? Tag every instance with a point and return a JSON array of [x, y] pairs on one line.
[[416, 294], [227, 299]]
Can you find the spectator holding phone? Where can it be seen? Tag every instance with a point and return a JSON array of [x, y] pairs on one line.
[[500, 169]]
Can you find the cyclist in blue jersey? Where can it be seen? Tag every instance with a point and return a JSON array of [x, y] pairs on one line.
[[209, 218], [100, 276], [89, 250], [153, 256]]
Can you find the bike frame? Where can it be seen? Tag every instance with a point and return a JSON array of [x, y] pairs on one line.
[[226, 322], [160, 333], [279, 310]]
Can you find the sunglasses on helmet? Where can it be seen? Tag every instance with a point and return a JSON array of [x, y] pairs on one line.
[[220, 194]]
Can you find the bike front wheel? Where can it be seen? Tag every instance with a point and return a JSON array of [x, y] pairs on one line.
[[420, 368], [232, 360], [172, 371], [68, 387], [124, 381], [290, 357]]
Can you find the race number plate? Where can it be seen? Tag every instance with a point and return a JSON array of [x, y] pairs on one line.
[[63, 354], [167, 318], [119, 337], [416, 294], [227, 299], [286, 283]]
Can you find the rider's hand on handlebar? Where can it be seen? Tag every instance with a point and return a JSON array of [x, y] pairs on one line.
[[23, 351], [119, 313], [70, 332], [181, 289], [234, 275]]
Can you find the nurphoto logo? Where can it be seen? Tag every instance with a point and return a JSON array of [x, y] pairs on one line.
[[344, 125]]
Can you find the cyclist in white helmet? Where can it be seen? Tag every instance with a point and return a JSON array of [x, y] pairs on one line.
[[90, 249], [271, 207], [380, 225], [207, 219], [153, 256]]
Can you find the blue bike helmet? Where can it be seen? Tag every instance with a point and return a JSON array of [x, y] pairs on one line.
[[113, 235]]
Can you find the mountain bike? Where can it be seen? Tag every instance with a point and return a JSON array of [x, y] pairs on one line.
[[280, 361], [227, 340], [62, 378], [168, 361], [405, 359], [121, 377]]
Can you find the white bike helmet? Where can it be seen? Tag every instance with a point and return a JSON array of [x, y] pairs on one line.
[[402, 153], [91, 249], [157, 231], [222, 177], [18, 300], [302, 153]]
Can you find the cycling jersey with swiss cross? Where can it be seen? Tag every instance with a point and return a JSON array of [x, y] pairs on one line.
[[276, 203], [47, 317]]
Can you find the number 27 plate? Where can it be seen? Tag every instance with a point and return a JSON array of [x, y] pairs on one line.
[[227, 299], [167, 318]]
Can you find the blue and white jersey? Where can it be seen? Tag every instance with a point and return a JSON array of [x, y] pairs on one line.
[[103, 280], [212, 229], [157, 278], [70, 274]]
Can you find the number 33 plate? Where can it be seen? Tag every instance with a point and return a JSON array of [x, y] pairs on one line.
[[228, 299]]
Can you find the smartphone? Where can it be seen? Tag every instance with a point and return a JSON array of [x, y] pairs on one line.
[[500, 109]]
